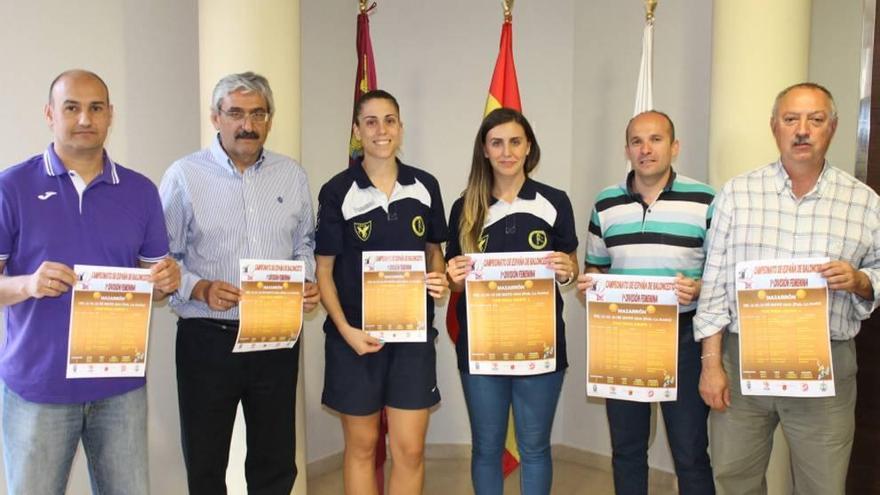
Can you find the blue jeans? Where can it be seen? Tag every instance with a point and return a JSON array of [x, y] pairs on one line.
[[40, 440], [534, 400], [686, 427]]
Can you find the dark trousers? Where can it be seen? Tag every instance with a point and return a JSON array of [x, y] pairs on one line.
[[211, 381], [686, 428]]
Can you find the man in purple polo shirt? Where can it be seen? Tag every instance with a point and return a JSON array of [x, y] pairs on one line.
[[72, 205]]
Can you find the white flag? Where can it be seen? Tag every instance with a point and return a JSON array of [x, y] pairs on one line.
[[645, 86]]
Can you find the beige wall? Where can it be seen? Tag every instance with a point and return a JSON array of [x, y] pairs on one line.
[[835, 40], [328, 34], [147, 53], [236, 37], [577, 64], [437, 59]]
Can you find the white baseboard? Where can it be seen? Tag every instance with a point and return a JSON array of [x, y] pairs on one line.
[[463, 451], [324, 465], [656, 477]]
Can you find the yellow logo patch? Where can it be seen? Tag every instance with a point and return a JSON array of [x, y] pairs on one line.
[[363, 229], [418, 226], [538, 239], [481, 244]]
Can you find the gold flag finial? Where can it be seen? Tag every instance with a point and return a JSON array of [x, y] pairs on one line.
[[508, 9], [650, 6], [363, 5]]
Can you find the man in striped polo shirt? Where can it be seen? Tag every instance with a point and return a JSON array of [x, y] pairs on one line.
[[654, 223]]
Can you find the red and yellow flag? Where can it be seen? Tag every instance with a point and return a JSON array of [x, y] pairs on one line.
[[365, 79], [503, 92]]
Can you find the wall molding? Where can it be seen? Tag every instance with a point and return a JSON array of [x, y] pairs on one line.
[[561, 452]]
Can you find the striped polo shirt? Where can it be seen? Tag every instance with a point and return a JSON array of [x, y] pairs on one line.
[[630, 237]]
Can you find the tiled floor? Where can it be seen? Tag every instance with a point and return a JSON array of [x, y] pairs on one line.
[[452, 477]]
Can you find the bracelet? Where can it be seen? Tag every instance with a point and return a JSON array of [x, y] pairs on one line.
[[704, 356], [568, 281]]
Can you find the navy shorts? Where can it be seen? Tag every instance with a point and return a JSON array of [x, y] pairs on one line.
[[401, 375]]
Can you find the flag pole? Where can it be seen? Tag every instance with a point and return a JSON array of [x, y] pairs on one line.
[[507, 5], [645, 83], [645, 89], [366, 81], [365, 76], [650, 6]]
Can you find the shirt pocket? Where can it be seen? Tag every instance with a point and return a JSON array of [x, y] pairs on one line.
[[282, 226], [838, 248]]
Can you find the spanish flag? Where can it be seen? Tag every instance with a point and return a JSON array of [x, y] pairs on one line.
[[365, 79], [503, 92]]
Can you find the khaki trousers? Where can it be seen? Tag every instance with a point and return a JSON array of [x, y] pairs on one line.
[[819, 431]]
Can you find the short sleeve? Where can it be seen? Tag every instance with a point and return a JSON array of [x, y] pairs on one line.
[[438, 231], [330, 226], [597, 251], [564, 233], [453, 247], [303, 235], [8, 223], [155, 245]]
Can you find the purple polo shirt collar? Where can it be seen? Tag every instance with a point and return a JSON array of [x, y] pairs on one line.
[[53, 166]]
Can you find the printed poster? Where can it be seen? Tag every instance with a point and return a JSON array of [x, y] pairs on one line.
[[632, 335], [511, 311]]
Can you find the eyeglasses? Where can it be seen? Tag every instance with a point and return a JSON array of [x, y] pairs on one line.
[[235, 115]]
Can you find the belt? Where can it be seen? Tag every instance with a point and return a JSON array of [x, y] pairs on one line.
[[225, 325]]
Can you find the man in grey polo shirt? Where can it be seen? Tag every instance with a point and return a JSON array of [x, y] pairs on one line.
[[230, 201], [797, 207]]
